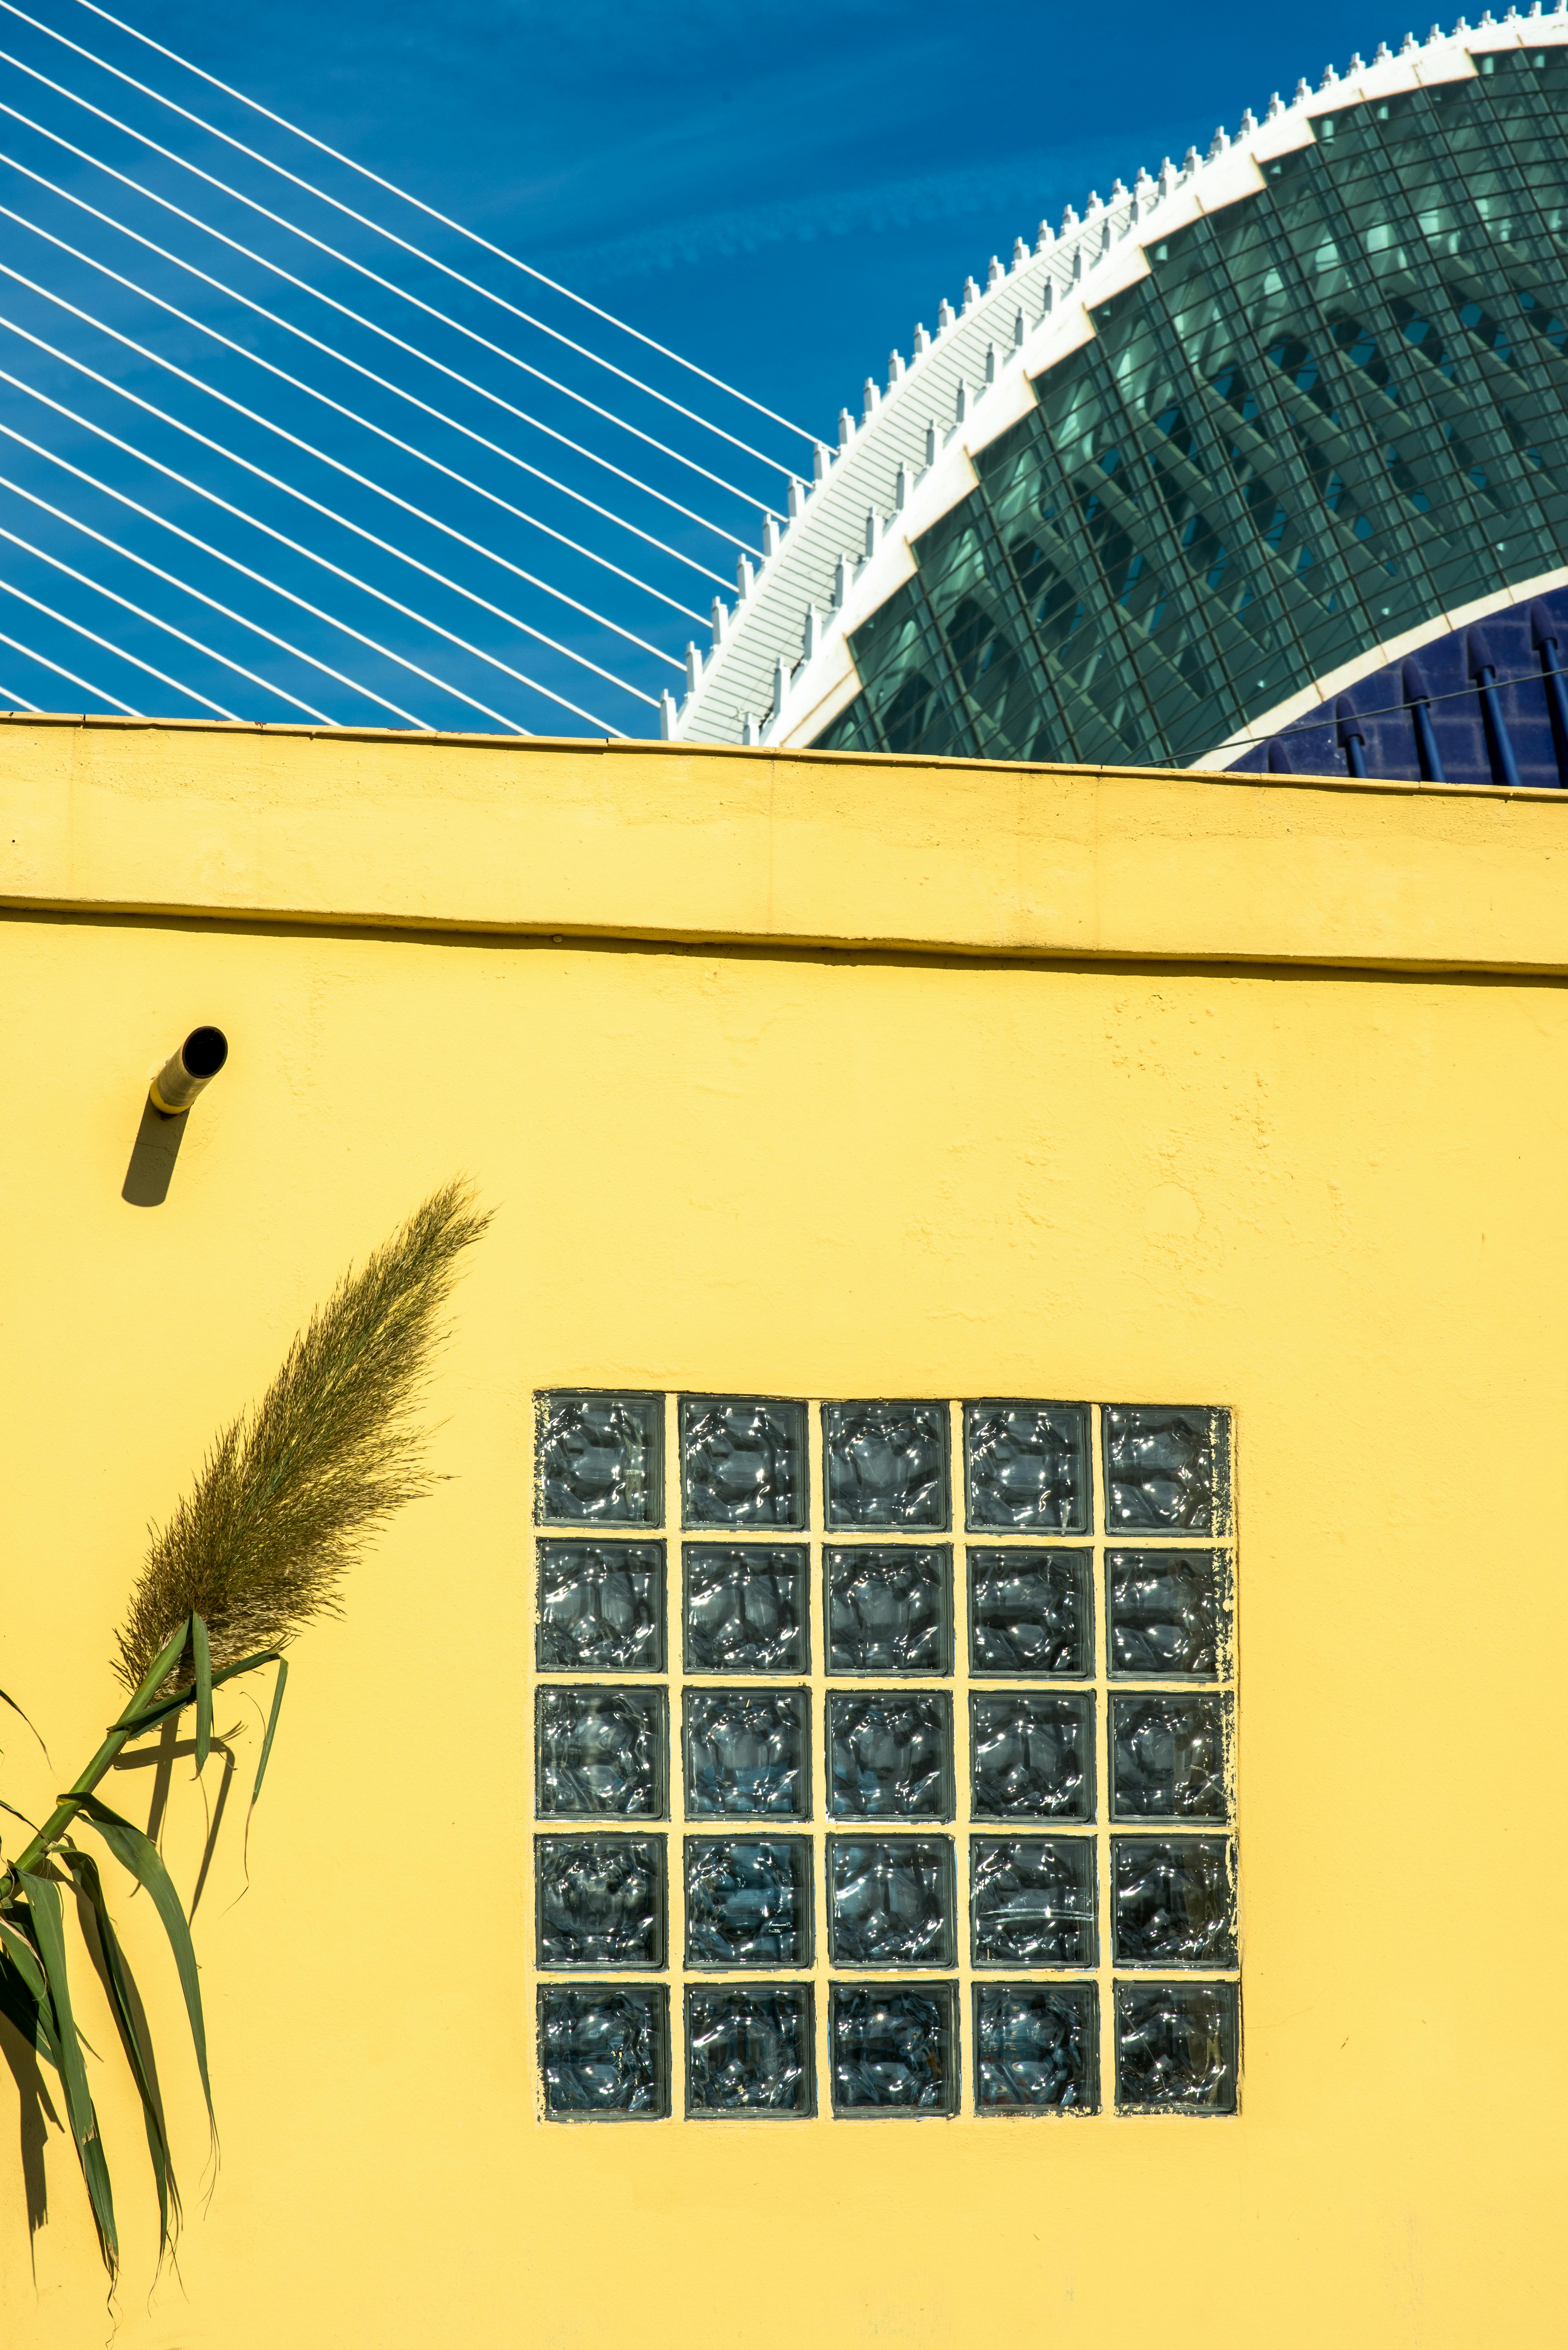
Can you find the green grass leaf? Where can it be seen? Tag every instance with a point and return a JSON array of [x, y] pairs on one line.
[[84, 1871], [50, 1939], [278, 1686], [138, 1854], [6, 1699], [24, 1989]]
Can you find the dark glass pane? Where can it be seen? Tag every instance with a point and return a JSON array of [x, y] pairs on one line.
[[890, 1754], [1168, 1469], [599, 1900], [1033, 1902], [1036, 2048], [895, 2048], [890, 1901], [886, 1465], [1027, 1466], [748, 1901], [600, 1458], [1168, 1613], [604, 2050], [1176, 2047], [1173, 1901], [1031, 1611], [746, 1607], [889, 1608], [600, 1751], [601, 1608], [1033, 1755], [749, 2050], [747, 1752], [742, 1461], [1169, 1758]]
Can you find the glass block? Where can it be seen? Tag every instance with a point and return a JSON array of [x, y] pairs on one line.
[[890, 1902], [1027, 1467], [600, 1460], [746, 1607], [604, 2050], [1169, 1758], [895, 2048], [601, 1608], [890, 1755], [600, 1751], [1033, 1902], [1168, 1613], [1168, 1469], [599, 1900], [1176, 2047], [886, 1465], [1031, 1611], [1032, 1756], [747, 1752], [742, 1461], [1036, 2048], [1174, 1901], [889, 1608], [748, 1901], [749, 2049]]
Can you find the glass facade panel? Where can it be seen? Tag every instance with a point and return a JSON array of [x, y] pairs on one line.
[[747, 1608], [889, 1608], [1268, 458], [750, 2049], [1031, 1611], [601, 1608], [1036, 2048]]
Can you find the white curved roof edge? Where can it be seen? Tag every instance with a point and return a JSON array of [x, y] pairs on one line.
[[1323, 690], [780, 669]]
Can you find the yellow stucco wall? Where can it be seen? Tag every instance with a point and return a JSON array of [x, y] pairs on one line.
[[1247, 1095]]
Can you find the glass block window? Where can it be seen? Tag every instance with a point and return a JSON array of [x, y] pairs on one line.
[[910, 1794]]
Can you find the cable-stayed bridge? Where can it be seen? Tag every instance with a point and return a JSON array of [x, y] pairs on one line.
[[280, 441]]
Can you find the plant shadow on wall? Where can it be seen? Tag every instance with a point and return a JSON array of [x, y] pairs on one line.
[[283, 1506]]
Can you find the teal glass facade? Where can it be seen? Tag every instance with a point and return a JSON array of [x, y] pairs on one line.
[[1334, 410]]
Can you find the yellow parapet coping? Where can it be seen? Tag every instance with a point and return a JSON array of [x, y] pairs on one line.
[[781, 848]]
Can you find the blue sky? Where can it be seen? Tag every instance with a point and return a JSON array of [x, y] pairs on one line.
[[258, 458], [777, 189]]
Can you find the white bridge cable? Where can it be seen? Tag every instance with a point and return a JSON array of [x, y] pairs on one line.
[[457, 227], [100, 693], [356, 317], [384, 545], [387, 284], [173, 579], [233, 562], [407, 448], [83, 579], [108, 645], [407, 611], [471, 285], [11, 700]]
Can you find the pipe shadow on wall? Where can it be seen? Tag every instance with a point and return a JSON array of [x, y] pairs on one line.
[[152, 1157]]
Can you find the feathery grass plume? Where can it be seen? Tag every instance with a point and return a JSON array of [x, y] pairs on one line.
[[289, 1491]]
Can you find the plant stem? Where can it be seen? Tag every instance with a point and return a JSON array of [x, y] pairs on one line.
[[132, 1721]]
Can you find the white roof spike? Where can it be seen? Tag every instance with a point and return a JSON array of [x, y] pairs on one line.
[[750, 732], [1168, 176], [895, 369], [994, 273], [1276, 108], [846, 428], [1355, 65], [1144, 181], [667, 716], [1019, 331], [1409, 47], [693, 668], [1329, 77], [872, 400], [970, 293], [820, 458], [1486, 16], [1248, 124], [1069, 218], [1020, 253], [1303, 90], [922, 342], [745, 578], [796, 499], [961, 402], [1385, 53], [1189, 162], [903, 481], [873, 529], [1078, 263], [1049, 303], [1093, 204], [769, 536], [1046, 238], [991, 362], [781, 682], [930, 441], [1119, 192], [721, 620], [946, 314]]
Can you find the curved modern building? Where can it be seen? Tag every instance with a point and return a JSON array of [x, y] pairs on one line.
[[1261, 462]]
